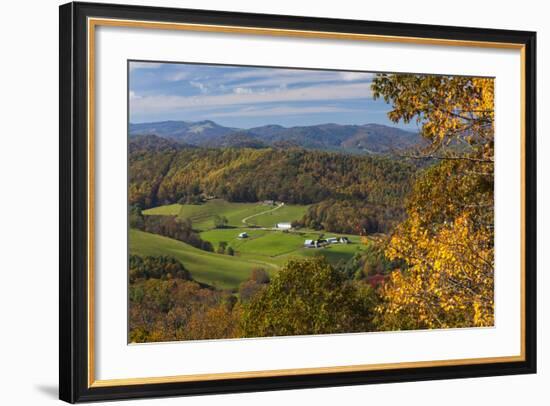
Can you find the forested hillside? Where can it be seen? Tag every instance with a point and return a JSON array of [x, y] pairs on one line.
[[357, 139], [174, 174], [163, 176]]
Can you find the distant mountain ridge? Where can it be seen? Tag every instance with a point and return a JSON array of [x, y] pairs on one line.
[[366, 138], [196, 133]]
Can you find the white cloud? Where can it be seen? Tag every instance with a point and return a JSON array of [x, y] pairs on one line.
[[284, 77], [133, 95], [199, 85], [144, 65], [254, 73], [326, 92], [353, 76], [281, 111], [242, 90], [177, 76]]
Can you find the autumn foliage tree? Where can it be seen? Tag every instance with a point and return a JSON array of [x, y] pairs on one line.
[[177, 309], [257, 281], [309, 297], [447, 240], [451, 110]]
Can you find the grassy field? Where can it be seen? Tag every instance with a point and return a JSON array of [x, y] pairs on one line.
[[230, 235], [334, 253], [222, 271], [272, 243], [202, 215], [266, 248], [283, 214]]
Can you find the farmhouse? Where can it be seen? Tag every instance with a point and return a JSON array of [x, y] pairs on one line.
[[284, 226], [243, 235]]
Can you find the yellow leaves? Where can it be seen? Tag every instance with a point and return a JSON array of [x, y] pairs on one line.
[[447, 239], [449, 282], [447, 107]]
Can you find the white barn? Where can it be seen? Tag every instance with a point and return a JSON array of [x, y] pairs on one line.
[[284, 226]]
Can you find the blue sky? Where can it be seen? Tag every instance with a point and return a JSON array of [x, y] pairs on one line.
[[246, 97]]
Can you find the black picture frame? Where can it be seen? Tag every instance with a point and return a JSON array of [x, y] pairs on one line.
[[73, 284]]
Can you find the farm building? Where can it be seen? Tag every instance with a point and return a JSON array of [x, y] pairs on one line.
[[284, 226], [315, 243], [243, 235], [338, 240]]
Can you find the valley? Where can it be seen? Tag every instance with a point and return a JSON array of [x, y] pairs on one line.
[[242, 208], [264, 246]]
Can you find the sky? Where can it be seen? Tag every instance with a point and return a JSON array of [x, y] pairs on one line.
[[245, 97]]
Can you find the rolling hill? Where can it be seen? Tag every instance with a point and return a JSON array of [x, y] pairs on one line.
[[247, 175], [239, 139], [194, 133], [222, 271], [265, 249], [237, 214], [202, 215], [367, 138]]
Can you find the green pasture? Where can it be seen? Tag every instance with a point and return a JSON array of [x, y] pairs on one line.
[[202, 215], [222, 271], [284, 214], [264, 247], [231, 236]]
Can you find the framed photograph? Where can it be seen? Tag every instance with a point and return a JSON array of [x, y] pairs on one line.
[[258, 202]]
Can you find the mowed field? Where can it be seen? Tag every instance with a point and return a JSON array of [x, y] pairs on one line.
[[265, 247], [283, 214], [258, 214]]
